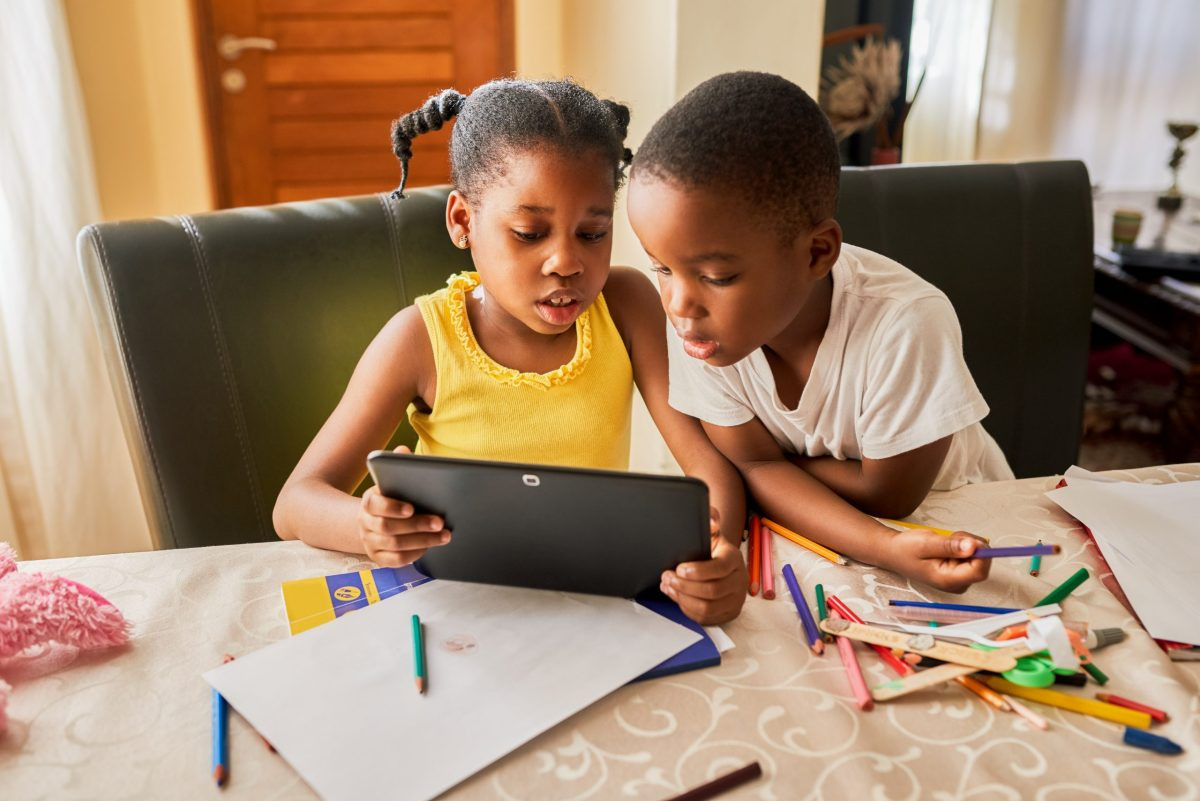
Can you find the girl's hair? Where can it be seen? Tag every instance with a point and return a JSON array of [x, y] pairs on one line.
[[508, 115]]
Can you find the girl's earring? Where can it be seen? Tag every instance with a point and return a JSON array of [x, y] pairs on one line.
[[462, 242]]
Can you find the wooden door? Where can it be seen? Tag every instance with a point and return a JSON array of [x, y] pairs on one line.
[[300, 93]]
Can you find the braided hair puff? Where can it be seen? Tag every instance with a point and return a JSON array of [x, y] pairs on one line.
[[507, 116], [435, 113]]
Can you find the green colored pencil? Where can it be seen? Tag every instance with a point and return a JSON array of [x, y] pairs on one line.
[[1035, 566], [418, 653], [822, 611], [1066, 588]]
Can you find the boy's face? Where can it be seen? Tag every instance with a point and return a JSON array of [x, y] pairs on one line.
[[729, 282], [540, 237]]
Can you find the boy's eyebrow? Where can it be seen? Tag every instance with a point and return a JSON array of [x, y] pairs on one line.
[[529, 208], [710, 255]]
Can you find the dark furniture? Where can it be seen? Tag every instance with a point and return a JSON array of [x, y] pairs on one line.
[[230, 336]]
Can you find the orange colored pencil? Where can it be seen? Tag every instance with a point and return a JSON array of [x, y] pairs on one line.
[[986, 693], [804, 542], [754, 552], [768, 565]]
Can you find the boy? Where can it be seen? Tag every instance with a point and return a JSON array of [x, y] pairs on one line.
[[831, 376]]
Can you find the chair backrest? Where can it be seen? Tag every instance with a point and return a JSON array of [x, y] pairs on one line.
[[230, 337], [1011, 246]]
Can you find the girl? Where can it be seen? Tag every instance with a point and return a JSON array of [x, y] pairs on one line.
[[533, 357]]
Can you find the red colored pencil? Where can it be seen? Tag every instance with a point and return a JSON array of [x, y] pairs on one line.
[[901, 667], [1156, 714], [755, 552], [768, 564]]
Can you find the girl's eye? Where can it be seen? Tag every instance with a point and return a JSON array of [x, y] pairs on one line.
[[658, 268], [527, 236]]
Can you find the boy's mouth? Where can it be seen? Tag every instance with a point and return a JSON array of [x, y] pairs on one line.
[[698, 348]]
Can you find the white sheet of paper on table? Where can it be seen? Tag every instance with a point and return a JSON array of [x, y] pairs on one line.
[[504, 664], [1149, 537]]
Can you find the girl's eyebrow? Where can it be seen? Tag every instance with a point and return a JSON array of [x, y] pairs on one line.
[[529, 208]]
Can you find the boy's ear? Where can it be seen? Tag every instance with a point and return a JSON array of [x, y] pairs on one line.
[[824, 247], [458, 218]]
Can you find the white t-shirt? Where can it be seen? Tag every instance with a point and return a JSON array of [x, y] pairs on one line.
[[888, 377]]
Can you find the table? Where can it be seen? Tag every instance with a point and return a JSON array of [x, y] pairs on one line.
[[1162, 321], [135, 724]]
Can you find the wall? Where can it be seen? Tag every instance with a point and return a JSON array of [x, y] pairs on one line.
[[137, 69]]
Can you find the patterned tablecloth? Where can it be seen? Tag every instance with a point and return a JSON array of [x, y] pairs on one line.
[[135, 724]]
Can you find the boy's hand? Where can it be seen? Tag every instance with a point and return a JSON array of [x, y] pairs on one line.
[[392, 535], [941, 562], [712, 591]]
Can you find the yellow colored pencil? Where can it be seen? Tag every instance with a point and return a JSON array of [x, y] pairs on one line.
[[1073, 703], [945, 532], [805, 542]]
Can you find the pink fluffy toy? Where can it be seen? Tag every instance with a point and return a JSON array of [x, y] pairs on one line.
[[36, 609]]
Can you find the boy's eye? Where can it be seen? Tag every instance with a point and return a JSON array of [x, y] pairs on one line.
[[718, 281], [592, 236]]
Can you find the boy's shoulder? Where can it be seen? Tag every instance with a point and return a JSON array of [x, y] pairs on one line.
[[869, 275]]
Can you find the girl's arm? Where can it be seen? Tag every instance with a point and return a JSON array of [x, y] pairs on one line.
[[712, 591], [316, 504]]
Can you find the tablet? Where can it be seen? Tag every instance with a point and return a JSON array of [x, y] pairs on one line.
[[604, 532]]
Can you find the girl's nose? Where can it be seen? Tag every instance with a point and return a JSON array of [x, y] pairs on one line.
[[563, 259]]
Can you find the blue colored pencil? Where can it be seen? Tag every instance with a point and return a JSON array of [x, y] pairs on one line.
[[1018, 550], [987, 610], [220, 739], [806, 619]]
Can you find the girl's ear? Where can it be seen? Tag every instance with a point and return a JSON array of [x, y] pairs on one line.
[[458, 219], [824, 247]]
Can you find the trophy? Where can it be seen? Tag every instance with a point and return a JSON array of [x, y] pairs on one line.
[[1171, 201]]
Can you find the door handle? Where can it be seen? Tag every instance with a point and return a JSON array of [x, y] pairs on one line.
[[231, 46]]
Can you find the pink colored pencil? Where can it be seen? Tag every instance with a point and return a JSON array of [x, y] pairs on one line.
[[862, 696], [768, 567], [900, 667]]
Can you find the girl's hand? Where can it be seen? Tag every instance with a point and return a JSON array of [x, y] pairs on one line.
[[392, 535], [941, 562], [713, 591]]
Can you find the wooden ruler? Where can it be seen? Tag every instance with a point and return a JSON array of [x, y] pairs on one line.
[[930, 677], [996, 661]]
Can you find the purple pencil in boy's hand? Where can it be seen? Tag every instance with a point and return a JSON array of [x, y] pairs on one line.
[[1020, 550]]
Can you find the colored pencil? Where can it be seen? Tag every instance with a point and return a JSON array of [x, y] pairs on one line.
[[1095, 672], [1016, 550], [805, 542], [418, 653], [1027, 713], [1073, 703], [1152, 742], [220, 736], [266, 742], [1066, 588], [755, 554], [1109, 698], [985, 610], [721, 784], [823, 611], [942, 616], [806, 619], [1035, 564], [945, 532], [858, 685], [898, 665], [992, 697], [768, 565]]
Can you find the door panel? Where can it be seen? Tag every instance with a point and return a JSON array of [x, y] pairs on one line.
[[304, 108]]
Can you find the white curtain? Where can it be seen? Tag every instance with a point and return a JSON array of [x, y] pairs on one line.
[[66, 479], [949, 44]]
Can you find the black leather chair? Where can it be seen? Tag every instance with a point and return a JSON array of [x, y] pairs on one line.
[[231, 335], [1011, 246]]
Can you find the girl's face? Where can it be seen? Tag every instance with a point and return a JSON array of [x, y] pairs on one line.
[[540, 237], [729, 283]]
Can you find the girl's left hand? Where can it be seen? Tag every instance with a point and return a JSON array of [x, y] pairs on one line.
[[713, 591]]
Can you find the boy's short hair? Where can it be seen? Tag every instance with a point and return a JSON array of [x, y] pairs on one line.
[[752, 134]]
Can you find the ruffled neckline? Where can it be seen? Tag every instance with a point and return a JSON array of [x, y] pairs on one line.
[[456, 302]]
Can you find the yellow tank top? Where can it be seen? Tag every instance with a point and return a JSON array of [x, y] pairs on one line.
[[577, 415]]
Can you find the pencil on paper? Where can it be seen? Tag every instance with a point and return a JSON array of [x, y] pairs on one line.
[[418, 653], [805, 542]]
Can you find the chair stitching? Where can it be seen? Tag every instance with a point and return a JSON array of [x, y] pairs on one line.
[[226, 367], [123, 340], [394, 239]]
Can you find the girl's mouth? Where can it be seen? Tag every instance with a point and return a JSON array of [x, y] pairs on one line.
[[560, 310]]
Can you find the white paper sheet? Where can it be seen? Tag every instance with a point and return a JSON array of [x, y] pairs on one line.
[[1150, 537], [504, 664]]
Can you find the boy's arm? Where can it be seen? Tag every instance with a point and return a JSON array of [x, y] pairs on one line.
[[798, 500], [892, 487]]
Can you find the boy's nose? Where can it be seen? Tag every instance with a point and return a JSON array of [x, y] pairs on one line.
[[680, 303]]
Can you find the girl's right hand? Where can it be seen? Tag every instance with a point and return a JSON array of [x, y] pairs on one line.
[[392, 536]]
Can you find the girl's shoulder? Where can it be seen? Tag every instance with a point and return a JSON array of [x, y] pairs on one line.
[[633, 302]]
